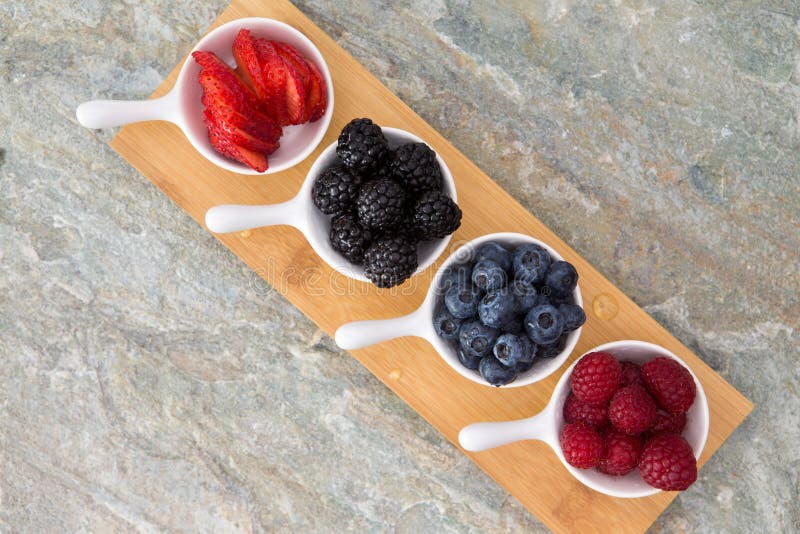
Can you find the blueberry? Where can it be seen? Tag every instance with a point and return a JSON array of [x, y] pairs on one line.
[[476, 338], [553, 349], [495, 252], [562, 278], [524, 367], [445, 324], [525, 295], [555, 298], [456, 275], [511, 350], [497, 308], [462, 301], [544, 324], [468, 360], [496, 373], [530, 263], [515, 326], [487, 275], [573, 316]]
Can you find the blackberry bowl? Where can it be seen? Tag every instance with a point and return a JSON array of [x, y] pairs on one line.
[[302, 213]]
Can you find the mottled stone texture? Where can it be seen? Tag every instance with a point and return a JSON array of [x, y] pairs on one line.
[[149, 382]]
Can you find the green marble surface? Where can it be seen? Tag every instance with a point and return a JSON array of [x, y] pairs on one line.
[[149, 382]]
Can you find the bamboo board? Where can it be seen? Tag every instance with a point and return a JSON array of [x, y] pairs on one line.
[[410, 366]]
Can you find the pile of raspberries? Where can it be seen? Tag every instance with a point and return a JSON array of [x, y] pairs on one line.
[[621, 416]]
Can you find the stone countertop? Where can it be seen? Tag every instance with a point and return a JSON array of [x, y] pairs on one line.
[[150, 382]]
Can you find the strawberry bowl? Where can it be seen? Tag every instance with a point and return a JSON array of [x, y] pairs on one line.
[[183, 105]]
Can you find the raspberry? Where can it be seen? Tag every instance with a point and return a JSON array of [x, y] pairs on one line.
[[581, 444], [621, 454], [669, 422], [596, 377], [668, 463], [670, 383], [631, 373], [594, 415], [632, 410]]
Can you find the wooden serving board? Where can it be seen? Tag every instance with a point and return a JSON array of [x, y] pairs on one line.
[[410, 366]]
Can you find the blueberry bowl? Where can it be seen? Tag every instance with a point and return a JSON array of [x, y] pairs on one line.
[[420, 322]]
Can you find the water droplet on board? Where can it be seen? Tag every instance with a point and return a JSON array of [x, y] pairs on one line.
[[605, 307], [246, 233], [395, 374]]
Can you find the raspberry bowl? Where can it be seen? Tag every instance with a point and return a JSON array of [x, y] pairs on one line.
[[419, 323], [547, 424], [301, 213], [183, 106]]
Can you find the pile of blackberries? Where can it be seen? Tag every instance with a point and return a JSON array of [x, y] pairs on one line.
[[383, 202]]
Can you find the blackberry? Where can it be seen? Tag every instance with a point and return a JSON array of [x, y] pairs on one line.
[[362, 146], [435, 215], [335, 190], [389, 261], [380, 204], [414, 165], [349, 238]]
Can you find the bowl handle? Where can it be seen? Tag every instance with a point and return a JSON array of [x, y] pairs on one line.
[[481, 436], [361, 334], [235, 218], [111, 113]]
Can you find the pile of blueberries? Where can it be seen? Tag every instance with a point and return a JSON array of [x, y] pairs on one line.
[[507, 308]]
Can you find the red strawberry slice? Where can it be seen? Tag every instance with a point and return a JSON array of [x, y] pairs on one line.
[[296, 60], [295, 95], [255, 123], [226, 91], [239, 136], [273, 70], [317, 98], [244, 52], [254, 160]]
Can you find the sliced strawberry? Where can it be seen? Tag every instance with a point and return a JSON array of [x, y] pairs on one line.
[[254, 160], [222, 86], [239, 136], [295, 95], [321, 96], [244, 52], [255, 123], [273, 71], [296, 60]]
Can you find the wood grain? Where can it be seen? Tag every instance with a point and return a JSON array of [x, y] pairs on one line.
[[409, 366]]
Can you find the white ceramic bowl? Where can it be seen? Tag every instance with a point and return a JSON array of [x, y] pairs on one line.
[[546, 425], [183, 107], [301, 213], [420, 322]]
